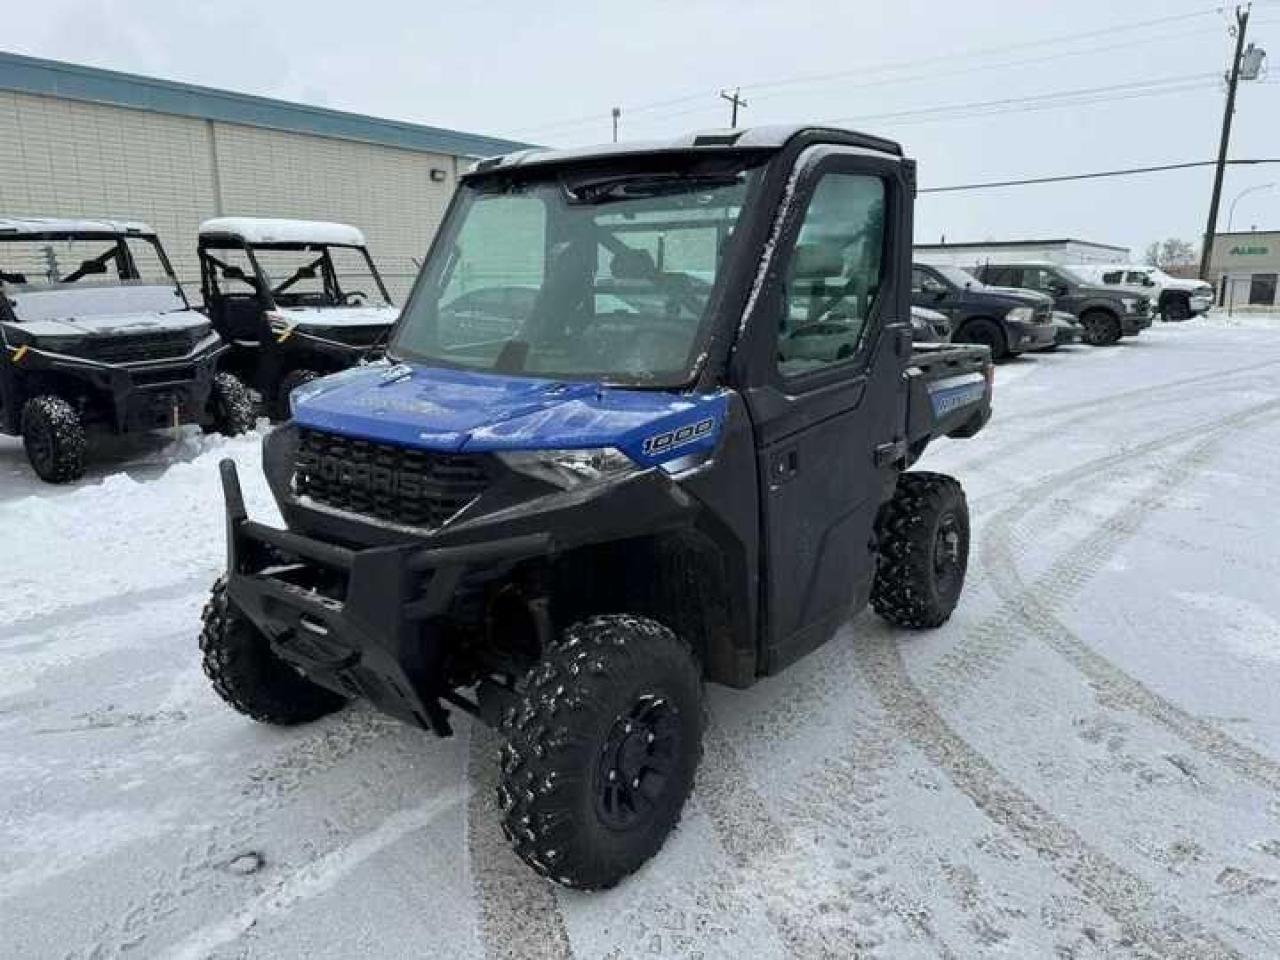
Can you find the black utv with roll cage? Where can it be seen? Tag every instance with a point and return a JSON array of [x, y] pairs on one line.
[[564, 512], [297, 299], [96, 335]]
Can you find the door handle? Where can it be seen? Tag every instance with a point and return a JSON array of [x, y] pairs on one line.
[[783, 466]]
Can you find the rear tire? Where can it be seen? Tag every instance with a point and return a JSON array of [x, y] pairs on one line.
[[1101, 329], [601, 751], [1177, 310], [54, 438], [922, 539], [986, 333], [292, 380], [238, 660], [232, 406]]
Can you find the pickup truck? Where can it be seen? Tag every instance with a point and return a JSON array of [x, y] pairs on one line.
[[562, 520], [1106, 313], [1008, 322], [1175, 299]]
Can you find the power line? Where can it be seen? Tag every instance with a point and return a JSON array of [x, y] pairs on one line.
[[877, 68], [1128, 172]]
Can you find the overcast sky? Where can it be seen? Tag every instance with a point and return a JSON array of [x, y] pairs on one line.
[[520, 69]]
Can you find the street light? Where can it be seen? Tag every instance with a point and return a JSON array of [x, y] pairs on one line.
[[1231, 215]]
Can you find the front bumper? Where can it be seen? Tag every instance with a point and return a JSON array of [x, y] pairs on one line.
[[362, 622], [141, 396], [1067, 332], [1131, 324], [1201, 304], [1025, 337]]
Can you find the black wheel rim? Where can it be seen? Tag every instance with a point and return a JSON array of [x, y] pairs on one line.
[[947, 553], [984, 336], [637, 762]]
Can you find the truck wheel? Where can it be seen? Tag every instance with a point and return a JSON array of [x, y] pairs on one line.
[[1101, 329], [54, 438], [601, 751], [922, 538], [985, 333], [245, 672], [292, 380], [1177, 310], [232, 406]]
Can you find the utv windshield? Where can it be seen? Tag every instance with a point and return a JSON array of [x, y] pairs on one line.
[[320, 275], [606, 277], [66, 276]]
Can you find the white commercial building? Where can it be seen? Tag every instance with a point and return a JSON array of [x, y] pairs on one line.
[[1245, 269], [1020, 251], [83, 142]]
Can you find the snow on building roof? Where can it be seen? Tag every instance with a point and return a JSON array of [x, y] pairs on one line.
[[270, 230], [37, 225]]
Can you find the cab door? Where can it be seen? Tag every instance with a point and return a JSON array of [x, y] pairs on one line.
[[832, 329]]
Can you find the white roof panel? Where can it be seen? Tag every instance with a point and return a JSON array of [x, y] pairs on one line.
[[24, 225], [269, 230]]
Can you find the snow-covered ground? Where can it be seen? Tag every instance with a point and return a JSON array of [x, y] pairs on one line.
[[1084, 763]]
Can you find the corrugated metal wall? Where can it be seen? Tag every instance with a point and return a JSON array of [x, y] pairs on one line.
[[67, 158]]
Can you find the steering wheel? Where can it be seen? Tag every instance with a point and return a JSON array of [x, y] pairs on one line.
[[348, 297]]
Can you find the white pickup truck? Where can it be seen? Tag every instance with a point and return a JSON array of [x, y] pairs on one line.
[[1175, 300]]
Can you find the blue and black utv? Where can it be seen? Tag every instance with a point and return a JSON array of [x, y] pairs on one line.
[[645, 422]]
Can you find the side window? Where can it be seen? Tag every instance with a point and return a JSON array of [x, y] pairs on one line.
[[1113, 276], [1002, 276], [1038, 278], [833, 280], [918, 280]]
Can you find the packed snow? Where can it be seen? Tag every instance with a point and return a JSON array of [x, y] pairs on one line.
[[1085, 762]]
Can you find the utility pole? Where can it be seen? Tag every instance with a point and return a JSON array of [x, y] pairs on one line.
[[1242, 25], [737, 102], [617, 112]]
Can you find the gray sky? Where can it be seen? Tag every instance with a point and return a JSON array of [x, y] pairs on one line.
[[518, 69]]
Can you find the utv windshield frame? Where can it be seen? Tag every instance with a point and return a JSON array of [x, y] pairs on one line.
[[602, 187], [126, 265], [268, 288]]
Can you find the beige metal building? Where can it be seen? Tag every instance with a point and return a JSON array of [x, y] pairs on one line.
[[1245, 268], [81, 142], [1064, 251]]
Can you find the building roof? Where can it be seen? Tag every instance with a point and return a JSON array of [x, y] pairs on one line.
[[22, 226], [52, 78], [1018, 243], [749, 138], [268, 230]]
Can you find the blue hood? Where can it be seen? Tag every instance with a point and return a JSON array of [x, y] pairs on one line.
[[456, 410]]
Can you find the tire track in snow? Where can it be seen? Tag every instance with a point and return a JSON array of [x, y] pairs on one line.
[[80, 612], [1122, 895], [1027, 611], [519, 915]]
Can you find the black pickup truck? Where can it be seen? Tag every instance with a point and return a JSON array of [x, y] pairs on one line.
[[1006, 321], [637, 484], [1107, 314]]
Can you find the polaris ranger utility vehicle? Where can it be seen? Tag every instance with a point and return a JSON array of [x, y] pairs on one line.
[[97, 335], [563, 521], [297, 299], [1106, 313]]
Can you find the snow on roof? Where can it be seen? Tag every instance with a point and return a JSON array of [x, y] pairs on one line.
[[268, 230], [36, 225]]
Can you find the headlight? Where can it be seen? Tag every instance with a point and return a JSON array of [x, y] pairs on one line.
[[568, 469], [1130, 304], [1020, 314]]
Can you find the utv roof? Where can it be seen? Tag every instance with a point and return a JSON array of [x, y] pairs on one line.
[[712, 141], [37, 226], [268, 230]]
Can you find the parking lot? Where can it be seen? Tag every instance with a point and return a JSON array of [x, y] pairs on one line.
[[1084, 762]]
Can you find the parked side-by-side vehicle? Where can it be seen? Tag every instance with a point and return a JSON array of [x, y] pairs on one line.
[[1106, 313], [563, 511], [1005, 321], [296, 299], [96, 334]]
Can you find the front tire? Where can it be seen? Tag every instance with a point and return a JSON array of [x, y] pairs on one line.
[[601, 751], [1101, 329], [54, 438], [246, 673], [232, 406], [986, 333], [292, 380], [922, 541], [1177, 310]]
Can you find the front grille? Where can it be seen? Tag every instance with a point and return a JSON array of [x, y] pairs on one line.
[[1043, 313], [417, 488], [137, 347]]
